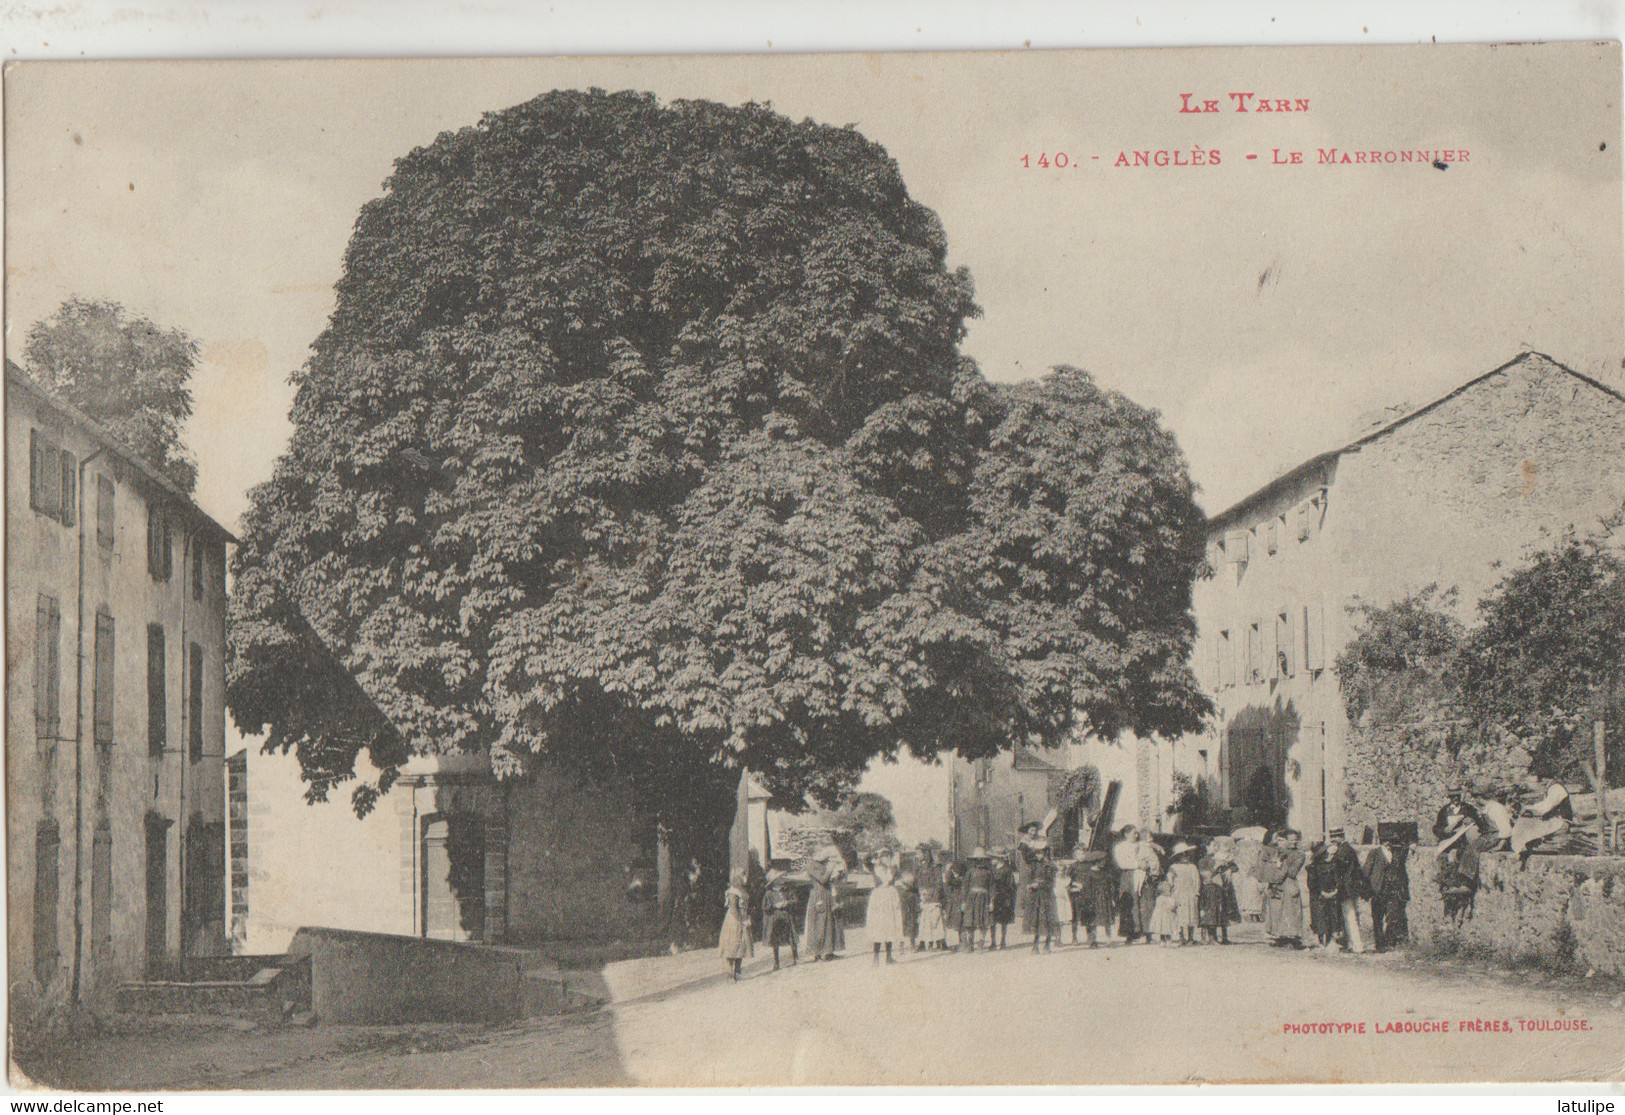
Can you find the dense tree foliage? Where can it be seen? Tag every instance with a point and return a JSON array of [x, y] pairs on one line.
[[126, 373], [640, 438], [1546, 659], [1543, 661]]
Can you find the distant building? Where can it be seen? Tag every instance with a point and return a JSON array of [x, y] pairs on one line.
[[1453, 494], [115, 722]]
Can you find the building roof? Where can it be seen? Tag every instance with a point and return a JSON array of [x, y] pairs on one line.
[[1294, 475], [22, 381]]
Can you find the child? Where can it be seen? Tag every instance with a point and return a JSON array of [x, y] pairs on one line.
[[883, 919], [778, 927], [1004, 900], [734, 941], [1218, 902], [977, 903], [933, 929], [1160, 926], [1187, 881]]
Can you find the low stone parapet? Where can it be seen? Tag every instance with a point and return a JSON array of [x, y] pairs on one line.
[[1559, 911], [382, 978]]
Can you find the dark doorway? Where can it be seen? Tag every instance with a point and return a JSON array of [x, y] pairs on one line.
[[454, 877], [157, 894]]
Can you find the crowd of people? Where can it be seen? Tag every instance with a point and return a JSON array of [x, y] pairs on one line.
[[1146, 888]]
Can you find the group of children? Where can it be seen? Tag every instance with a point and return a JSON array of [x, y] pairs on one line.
[[918, 899]]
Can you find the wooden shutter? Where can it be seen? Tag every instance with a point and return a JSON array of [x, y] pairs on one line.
[[197, 570], [44, 474], [1227, 659], [194, 704], [104, 680], [104, 511], [160, 551], [47, 891], [47, 669], [70, 489], [1315, 635], [36, 470], [101, 894], [157, 703]]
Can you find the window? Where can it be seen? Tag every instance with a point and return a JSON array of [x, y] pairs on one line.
[[47, 670], [1305, 523], [194, 705], [1272, 539], [1227, 660], [44, 474], [103, 729], [1285, 660], [1254, 654], [47, 890], [197, 570], [160, 554], [157, 705], [104, 511]]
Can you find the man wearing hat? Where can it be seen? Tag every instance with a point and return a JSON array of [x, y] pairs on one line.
[[1390, 889], [1352, 885], [1455, 806]]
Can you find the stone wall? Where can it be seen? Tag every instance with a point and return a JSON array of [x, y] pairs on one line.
[[1401, 772], [1560, 911]]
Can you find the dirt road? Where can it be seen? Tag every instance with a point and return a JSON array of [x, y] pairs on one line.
[[1139, 1014]]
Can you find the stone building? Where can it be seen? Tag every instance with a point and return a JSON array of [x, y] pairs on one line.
[[449, 852], [115, 722], [1451, 494]]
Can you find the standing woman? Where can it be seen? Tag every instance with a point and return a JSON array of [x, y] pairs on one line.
[[883, 918], [1284, 904], [1149, 858], [734, 941], [1039, 905], [823, 936], [1130, 878], [953, 896], [908, 892]]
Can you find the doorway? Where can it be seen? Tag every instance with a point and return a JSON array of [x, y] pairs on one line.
[[454, 877]]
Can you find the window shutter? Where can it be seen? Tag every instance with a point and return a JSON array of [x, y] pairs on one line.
[[1227, 660], [42, 666], [157, 705], [53, 670], [1235, 547], [1315, 634], [104, 511], [197, 570], [160, 554], [168, 552], [194, 709], [70, 489], [47, 891], [104, 680], [36, 471]]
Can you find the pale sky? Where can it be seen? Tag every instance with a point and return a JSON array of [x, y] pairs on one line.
[[1261, 308]]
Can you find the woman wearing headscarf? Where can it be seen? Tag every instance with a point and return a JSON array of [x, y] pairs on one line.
[[1283, 904], [823, 929]]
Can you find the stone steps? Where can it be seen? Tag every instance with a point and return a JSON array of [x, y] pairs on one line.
[[254, 987]]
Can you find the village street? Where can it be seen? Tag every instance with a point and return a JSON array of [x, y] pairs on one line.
[[1115, 1015]]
